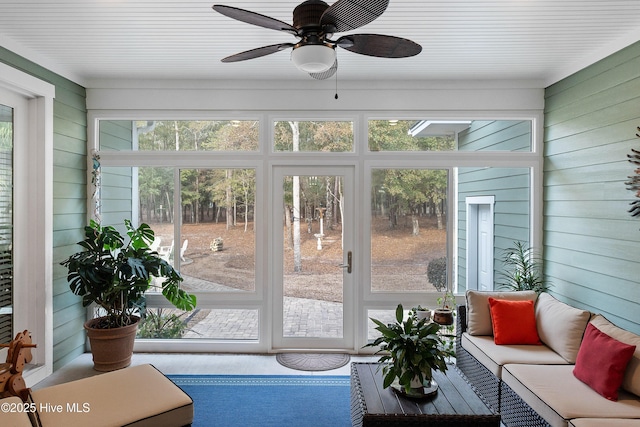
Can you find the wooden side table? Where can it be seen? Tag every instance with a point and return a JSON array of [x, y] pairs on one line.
[[455, 404]]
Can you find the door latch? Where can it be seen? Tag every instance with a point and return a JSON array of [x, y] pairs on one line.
[[349, 262]]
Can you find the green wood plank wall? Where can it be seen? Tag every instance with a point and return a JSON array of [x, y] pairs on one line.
[[510, 186], [591, 243], [69, 201]]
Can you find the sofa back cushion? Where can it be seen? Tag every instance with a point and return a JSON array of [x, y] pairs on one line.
[[478, 312], [631, 380], [560, 326]]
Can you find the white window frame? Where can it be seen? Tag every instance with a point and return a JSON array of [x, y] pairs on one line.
[[33, 221], [265, 158]]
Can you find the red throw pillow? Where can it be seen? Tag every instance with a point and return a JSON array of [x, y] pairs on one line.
[[514, 322], [601, 362]]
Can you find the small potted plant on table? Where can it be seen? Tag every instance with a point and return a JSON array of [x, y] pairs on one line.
[[115, 277], [412, 351], [443, 315], [422, 313]]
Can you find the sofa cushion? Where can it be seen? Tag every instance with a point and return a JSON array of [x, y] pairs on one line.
[[602, 361], [560, 326], [631, 380], [554, 393], [478, 314], [493, 356], [601, 422], [514, 322]]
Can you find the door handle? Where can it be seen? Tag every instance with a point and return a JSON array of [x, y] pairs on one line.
[[349, 262]]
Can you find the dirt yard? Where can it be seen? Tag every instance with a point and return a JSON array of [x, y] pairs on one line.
[[399, 260]]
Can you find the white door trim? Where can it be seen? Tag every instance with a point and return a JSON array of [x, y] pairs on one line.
[[472, 207]]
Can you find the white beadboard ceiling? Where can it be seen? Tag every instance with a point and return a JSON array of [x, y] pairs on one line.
[[540, 40]]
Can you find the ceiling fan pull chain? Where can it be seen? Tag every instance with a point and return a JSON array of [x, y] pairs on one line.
[[336, 84]]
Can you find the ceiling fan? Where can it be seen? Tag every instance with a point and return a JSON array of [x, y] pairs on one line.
[[314, 23]]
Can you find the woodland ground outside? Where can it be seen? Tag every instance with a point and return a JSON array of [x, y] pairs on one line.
[[399, 263]]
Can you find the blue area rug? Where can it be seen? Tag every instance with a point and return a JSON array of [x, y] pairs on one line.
[[268, 400]]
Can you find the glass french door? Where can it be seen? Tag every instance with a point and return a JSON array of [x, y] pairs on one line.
[[312, 257]]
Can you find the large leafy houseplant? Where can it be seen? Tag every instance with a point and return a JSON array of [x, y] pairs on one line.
[[115, 275], [411, 349], [523, 270]]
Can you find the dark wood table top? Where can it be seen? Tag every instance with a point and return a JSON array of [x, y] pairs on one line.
[[455, 403]]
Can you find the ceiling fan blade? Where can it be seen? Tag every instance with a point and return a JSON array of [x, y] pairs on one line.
[[258, 52], [345, 15], [254, 18], [326, 74], [379, 45]]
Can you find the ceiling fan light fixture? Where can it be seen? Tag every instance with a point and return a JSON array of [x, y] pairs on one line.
[[313, 58]]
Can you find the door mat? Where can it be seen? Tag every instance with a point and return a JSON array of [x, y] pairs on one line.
[[312, 361]]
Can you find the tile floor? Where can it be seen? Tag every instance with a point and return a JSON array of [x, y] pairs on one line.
[[195, 363], [179, 363]]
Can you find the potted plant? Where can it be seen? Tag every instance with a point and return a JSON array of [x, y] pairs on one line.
[[443, 315], [421, 312], [114, 276], [524, 270], [164, 325], [412, 351]]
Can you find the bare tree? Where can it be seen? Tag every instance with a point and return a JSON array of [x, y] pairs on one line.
[[297, 253]]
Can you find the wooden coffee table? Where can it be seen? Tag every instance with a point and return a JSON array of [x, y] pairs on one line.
[[455, 403]]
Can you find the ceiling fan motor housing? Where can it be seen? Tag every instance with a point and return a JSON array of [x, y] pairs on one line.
[[306, 16]]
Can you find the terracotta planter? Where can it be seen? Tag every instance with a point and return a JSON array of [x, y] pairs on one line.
[[111, 348], [443, 316]]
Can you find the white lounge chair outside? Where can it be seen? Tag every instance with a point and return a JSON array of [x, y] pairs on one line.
[[183, 249]]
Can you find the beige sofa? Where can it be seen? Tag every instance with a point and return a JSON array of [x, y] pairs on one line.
[[139, 396], [534, 385]]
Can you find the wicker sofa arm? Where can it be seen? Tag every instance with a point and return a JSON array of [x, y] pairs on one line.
[[461, 325], [461, 321]]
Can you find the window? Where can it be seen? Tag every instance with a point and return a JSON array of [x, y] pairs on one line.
[[218, 202], [449, 135], [414, 135], [508, 191], [409, 230], [179, 135], [313, 136], [214, 244]]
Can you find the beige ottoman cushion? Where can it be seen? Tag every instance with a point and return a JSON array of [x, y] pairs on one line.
[[13, 413], [139, 396]]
